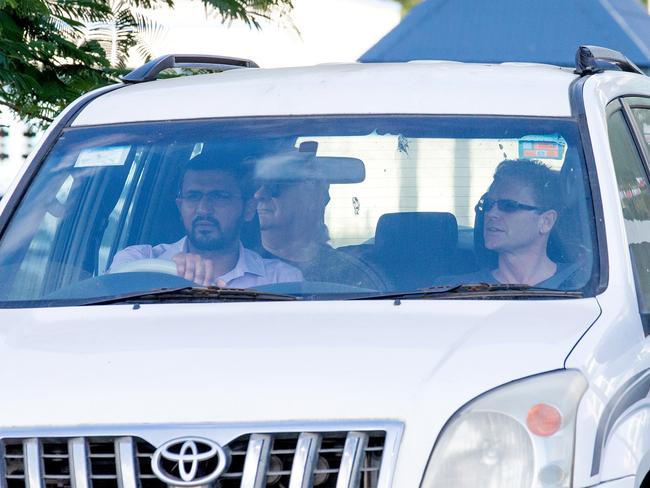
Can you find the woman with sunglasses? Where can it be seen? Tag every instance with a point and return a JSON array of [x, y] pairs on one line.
[[519, 212]]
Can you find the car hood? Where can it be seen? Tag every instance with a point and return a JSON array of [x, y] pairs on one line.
[[240, 362]]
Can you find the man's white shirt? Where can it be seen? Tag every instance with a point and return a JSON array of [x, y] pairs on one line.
[[250, 270]]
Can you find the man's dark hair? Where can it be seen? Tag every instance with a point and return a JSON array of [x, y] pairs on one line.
[[239, 169], [542, 180]]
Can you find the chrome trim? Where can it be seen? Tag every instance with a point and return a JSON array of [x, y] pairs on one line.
[[258, 454], [352, 461], [188, 453], [125, 461], [209, 485], [78, 456], [3, 462], [33, 467], [158, 434], [305, 460], [389, 458]]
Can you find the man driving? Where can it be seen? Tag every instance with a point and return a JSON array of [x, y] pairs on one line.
[[214, 201]]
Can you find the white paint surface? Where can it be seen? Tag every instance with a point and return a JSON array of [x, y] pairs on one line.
[[379, 88], [243, 363]]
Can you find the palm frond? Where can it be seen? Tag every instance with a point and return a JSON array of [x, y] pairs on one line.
[[83, 10], [251, 12], [67, 27], [149, 34], [116, 34]]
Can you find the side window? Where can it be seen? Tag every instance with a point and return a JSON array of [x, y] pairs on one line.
[[32, 271], [113, 237], [642, 120], [634, 193]]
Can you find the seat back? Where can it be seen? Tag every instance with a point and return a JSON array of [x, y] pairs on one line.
[[413, 248]]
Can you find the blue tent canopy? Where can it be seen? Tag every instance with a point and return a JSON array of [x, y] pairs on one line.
[[494, 31]]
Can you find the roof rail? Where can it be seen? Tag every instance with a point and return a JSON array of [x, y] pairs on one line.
[[149, 71], [588, 58]]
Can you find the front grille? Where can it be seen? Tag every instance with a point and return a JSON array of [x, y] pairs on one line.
[[281, 460]]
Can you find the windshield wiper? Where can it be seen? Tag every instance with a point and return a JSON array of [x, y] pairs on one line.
[[476, 290], [191, 294]]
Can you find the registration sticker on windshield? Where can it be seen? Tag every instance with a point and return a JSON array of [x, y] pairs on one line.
[[102, 156]]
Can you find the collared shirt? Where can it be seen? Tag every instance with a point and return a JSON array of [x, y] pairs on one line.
[[250, 270]]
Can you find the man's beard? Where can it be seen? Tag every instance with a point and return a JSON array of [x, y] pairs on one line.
[[215, 240]]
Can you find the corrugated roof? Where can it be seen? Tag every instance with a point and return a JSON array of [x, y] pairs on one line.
[[494, 31]]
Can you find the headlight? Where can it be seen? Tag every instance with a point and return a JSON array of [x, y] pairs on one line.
[[520, 434]]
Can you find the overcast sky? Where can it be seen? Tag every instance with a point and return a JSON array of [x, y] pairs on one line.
[[330, 31]]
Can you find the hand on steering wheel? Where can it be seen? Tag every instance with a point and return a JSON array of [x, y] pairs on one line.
[[188, 266], [147, 266], [196, 268]]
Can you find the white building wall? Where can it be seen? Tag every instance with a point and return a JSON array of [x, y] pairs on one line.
[[15, 145]]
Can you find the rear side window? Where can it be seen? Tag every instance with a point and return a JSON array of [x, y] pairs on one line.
[[634, 193]]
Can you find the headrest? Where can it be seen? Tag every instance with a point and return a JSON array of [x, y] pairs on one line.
[[485, 257], [430, 232], [571, 181]]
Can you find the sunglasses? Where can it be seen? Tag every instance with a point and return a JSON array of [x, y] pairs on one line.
[[506, 205], [276, 190]]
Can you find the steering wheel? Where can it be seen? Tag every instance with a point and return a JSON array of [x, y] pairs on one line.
[[164, 266]]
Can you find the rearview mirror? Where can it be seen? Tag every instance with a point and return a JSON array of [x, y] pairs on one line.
[[303, 164]]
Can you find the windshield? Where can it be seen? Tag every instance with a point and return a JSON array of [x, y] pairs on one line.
[[316, 207]]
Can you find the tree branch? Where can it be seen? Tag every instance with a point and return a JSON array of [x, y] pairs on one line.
[[16, 109]]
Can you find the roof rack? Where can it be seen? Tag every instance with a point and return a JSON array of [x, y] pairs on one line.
[[149, 71], [589, 60]]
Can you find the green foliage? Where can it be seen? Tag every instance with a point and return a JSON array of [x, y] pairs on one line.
[[44, 59], [407, 5], [248, 11], [52, 51]]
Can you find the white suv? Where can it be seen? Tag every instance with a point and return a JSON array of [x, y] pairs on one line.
[[423, 274]]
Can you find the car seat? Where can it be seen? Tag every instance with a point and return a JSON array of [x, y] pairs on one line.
[[413, 248]]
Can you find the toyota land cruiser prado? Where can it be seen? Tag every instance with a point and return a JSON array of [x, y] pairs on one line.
[[423, 274]]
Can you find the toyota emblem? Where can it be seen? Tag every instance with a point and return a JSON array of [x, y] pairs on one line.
[[189, 461]]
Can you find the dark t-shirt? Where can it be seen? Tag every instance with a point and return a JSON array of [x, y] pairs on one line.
[[562, 279]]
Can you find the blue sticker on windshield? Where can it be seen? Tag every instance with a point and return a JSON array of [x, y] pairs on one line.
[[542, 147]]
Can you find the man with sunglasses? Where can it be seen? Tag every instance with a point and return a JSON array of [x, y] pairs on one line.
[[292, 228], [519, 212], [214, 201]]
